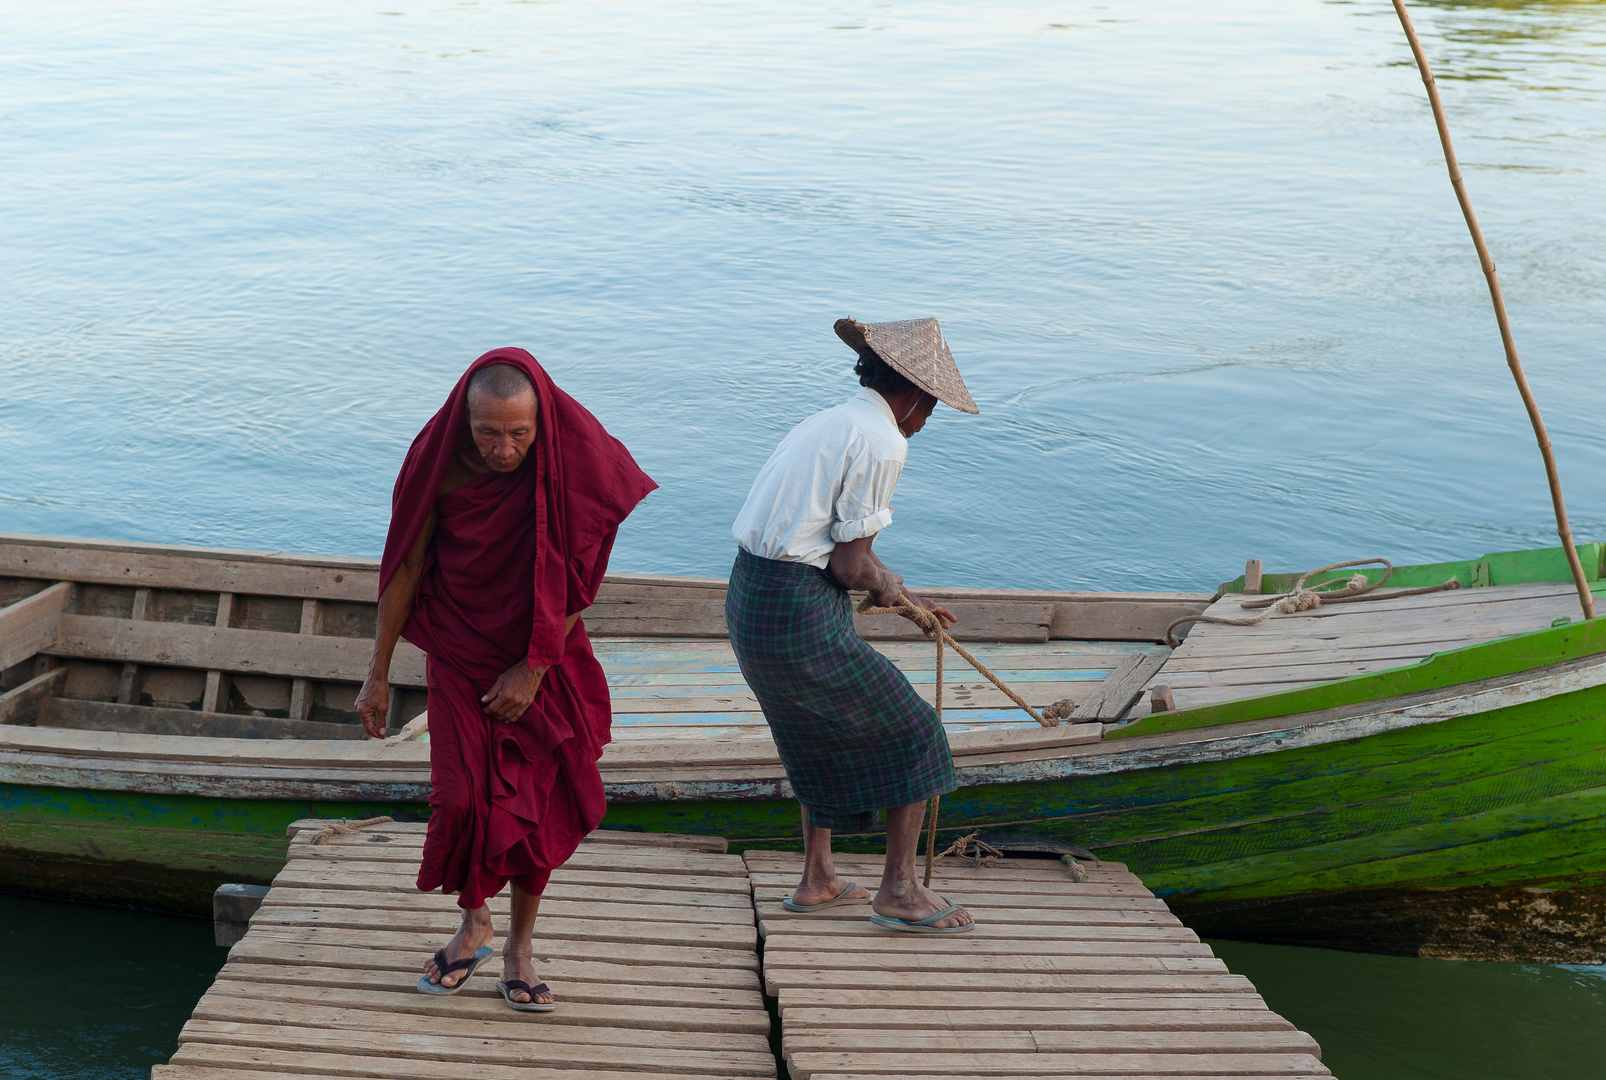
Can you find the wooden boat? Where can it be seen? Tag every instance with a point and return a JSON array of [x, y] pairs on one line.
[[1419, 775]]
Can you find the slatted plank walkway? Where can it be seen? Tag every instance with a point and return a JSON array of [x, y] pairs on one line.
[[1223, 663], [649, 947], [1091, 979]]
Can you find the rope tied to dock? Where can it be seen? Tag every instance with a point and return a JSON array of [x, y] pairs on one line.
[[1350, 590], [346, 828]]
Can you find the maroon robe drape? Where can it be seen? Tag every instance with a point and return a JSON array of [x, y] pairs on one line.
[[513, 555]]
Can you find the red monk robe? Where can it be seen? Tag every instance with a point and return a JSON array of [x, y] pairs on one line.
[[513, 555]]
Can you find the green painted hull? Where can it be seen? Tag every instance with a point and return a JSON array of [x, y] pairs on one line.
[[168, 852]]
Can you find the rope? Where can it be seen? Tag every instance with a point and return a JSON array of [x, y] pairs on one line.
[[345, 828], [928, 622], [1350, 590], [971, 847]]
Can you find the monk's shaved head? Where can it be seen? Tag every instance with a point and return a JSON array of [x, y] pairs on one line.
[[504, 415], [504, 382]]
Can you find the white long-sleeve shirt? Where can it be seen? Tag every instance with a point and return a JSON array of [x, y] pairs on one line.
[[829, 481]]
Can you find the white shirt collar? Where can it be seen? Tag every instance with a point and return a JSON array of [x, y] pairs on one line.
[[880, 402]]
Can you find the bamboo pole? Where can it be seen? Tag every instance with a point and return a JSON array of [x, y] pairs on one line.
[[1563, 529]]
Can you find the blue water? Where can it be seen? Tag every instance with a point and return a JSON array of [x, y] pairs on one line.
[[1200, 264]]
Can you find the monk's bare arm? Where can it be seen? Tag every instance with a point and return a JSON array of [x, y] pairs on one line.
[[856, 565], [395, 605], [515, 688]]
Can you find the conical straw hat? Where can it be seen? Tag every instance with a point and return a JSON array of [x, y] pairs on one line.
[[914, 348]]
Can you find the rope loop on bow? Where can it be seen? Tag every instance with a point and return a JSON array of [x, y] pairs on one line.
[[1348, 590]]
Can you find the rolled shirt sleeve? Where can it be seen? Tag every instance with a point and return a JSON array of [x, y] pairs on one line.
[[865, 506]]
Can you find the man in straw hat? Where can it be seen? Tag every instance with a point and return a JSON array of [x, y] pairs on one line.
[[853, 735]]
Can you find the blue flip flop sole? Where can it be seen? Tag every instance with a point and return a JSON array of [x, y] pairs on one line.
[[468, 965]]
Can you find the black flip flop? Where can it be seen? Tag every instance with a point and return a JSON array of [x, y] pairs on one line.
[[482, 954], [512, 986]]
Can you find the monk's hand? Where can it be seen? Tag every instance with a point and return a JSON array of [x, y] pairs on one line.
[[512, 692], [945, 618], [373, 704]]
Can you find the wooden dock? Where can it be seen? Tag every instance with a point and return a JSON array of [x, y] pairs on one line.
[[1059, 978], [650, 945]]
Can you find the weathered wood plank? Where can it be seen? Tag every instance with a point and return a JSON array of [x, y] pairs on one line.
[[241, 982], [978, 620], [479, 1002], [22, 704], [1013, 981], [1140, 960], [424, 943], [33, 624], [1041, 1041], [285, 896], [479, 1022], [1117, 693], [81, 715], [445, 924], [228, 649], [958, 1064], [297, 1061], [284, 954], [1089, 1003], [371, 893], [1058, 1017]]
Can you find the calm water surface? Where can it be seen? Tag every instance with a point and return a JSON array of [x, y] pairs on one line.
[[1199, 262]]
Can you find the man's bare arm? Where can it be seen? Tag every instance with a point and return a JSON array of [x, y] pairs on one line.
[[395, 605], [856, 565], [516, 687]]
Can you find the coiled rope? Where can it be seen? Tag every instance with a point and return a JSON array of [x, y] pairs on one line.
[[1349, 590]]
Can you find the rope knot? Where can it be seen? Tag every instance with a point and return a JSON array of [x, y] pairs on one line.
[[1299, 598], [1303, 600]]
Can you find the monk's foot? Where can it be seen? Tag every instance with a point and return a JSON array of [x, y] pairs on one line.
[[475, 933], [819, 890], [915, 904], [520, 965]]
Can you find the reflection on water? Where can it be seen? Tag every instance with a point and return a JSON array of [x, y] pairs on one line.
[[100, 993], [1389, 1018], [1201, 265]]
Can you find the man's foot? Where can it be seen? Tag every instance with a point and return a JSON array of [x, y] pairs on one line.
[[522, 968], [809, 893], [916, 904], [474, 933]]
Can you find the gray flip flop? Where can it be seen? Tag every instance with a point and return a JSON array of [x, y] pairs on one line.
[[840, 898], [512, 986], [482, 954], [923, 926]]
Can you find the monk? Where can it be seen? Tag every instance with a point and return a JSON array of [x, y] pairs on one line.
[[502, 521], [854, 737]]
